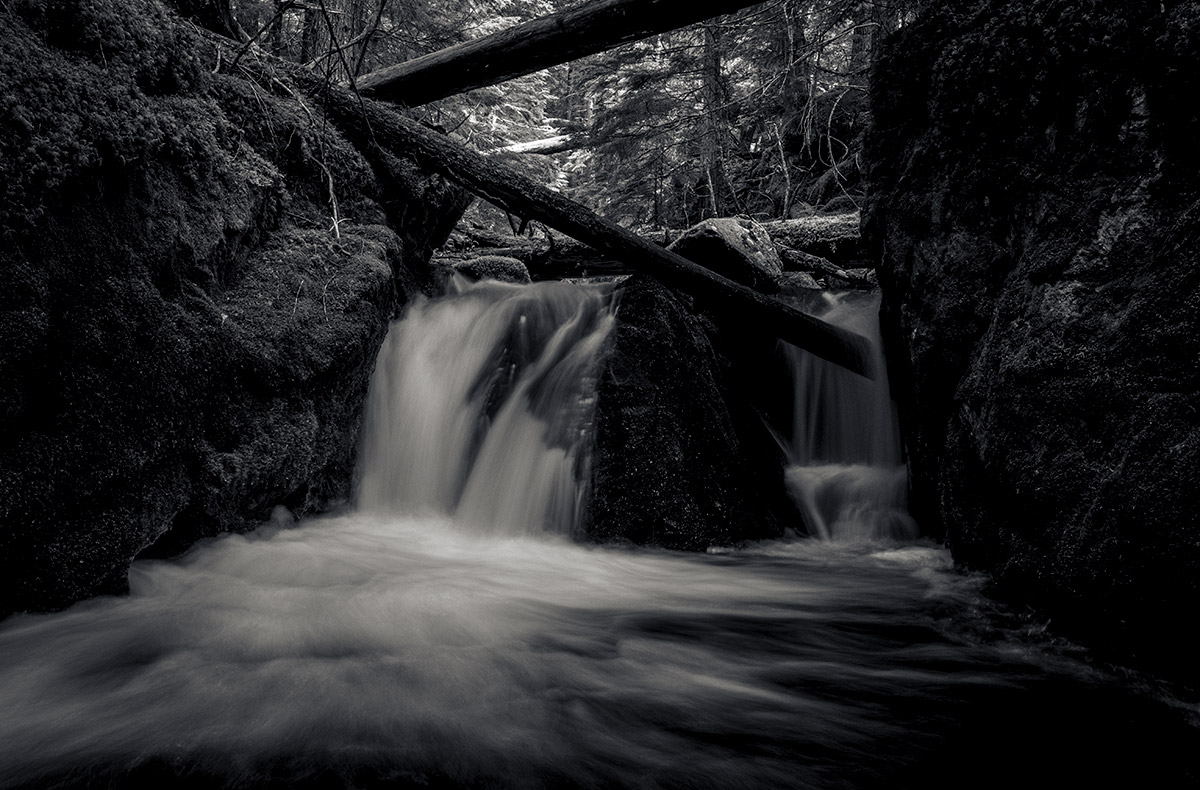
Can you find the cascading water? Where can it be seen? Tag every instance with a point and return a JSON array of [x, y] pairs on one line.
[[480, 406], [436, 637], [847, 471]]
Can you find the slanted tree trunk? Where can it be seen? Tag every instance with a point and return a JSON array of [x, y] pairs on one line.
[[535, 45], [381, 132], [373, 125]]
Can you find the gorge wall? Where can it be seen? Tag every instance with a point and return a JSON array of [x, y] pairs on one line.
[[1036, 210], [196, 272]]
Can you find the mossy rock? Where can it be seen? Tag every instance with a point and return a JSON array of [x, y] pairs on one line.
[[734, 247], [495, 267], [187, 322], [1035, 212]]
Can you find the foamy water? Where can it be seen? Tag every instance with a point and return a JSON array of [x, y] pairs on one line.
[[448, 633], [413, 647]]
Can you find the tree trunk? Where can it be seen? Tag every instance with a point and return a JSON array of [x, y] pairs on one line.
[[215, 15], [716, 125], [535, 45], [365, 47], [275, 34], [310, 34], [866, 23]]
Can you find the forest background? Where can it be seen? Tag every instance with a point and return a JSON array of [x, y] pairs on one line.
[[759, 113]]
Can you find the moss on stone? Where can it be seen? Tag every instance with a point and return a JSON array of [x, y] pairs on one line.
[[678, 462], [187, 324], [494, 267], [1037, 220]]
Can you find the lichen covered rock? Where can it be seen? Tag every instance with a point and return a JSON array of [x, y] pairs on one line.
[[494, 267], [196, 274], [1036, 211], [737, 248]]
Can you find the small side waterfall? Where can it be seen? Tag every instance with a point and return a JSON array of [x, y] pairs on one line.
[[847, 470], [480, 406]]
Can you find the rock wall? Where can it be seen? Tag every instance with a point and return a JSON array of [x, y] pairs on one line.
[[195, 275], [1036, 211]]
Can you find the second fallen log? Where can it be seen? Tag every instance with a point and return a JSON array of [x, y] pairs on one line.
[[538, 44]]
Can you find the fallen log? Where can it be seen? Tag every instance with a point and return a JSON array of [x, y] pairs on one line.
[[834, 237], [797, 261], [522, 254], [473, 237], [558, 144], [566, 258], [511, 190], [375, 126], [535, 45]]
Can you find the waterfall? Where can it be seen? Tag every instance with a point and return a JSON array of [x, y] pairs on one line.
[[847, 473], [480, 406]]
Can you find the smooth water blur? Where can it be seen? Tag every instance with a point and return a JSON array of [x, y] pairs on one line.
[[363, 650], [481, 648], [480, 406], [847, 472]]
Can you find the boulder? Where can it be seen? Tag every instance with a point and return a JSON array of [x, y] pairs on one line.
[[682, 457], [737, 248], [1036, 213], [196, 277], [494, 267], [794, 281]]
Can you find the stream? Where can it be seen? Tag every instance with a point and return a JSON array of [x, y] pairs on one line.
[[449, 629]]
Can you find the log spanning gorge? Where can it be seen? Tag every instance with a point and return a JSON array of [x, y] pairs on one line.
[[448, 629]]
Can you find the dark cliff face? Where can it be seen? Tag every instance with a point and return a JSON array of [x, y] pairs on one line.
[[187, 322], [1036, 209]]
